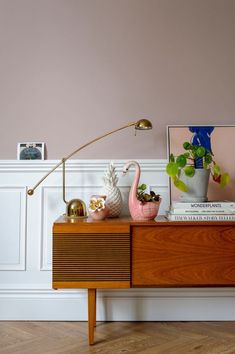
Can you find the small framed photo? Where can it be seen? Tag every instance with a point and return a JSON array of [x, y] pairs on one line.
[[30, 151]]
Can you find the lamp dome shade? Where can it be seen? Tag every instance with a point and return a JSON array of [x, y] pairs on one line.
[[143, 124]]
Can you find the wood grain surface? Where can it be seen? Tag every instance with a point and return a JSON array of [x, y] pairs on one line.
[[117, 338], [183, 256], [91, 314]]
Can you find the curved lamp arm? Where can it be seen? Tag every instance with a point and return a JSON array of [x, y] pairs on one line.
[[142, 124]]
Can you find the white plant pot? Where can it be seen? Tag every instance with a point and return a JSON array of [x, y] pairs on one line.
[[197, 186]]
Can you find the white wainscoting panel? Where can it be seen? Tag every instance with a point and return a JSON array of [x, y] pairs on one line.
[[26, 247], [13, 228]]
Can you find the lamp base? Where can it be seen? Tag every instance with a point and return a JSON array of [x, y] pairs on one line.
[[76, 209]]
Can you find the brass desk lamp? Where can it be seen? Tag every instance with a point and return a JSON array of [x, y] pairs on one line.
[[76, 208]]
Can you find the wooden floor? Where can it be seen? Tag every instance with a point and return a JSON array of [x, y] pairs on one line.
[[117, 338]]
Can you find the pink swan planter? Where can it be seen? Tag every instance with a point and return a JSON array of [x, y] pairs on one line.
[[139, 210]]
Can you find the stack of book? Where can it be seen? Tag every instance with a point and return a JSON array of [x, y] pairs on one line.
[[206, 211]]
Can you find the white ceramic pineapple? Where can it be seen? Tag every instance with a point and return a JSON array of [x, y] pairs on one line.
[[112, 192]]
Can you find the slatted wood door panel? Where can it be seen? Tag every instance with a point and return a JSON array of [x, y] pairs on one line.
[[183, 256], [86, 260]]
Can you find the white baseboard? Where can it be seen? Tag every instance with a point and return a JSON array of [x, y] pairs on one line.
[[129, 305]]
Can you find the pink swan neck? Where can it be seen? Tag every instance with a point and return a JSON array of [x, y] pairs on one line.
[[134, 187]]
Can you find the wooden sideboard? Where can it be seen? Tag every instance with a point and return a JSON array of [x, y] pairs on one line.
[[122, 253]]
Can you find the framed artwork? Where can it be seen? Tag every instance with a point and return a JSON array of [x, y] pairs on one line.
[[220, 139], [30, 151]]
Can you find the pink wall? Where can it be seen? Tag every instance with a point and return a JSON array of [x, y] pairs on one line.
[[73, 69]]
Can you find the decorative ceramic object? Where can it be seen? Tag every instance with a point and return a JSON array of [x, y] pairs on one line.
[[100, 215], [139, 210], [114, 197], [98, 208]]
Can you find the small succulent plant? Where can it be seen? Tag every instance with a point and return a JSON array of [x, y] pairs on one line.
[[145, 197]]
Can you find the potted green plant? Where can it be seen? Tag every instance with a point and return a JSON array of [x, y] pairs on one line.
[[196, 163]]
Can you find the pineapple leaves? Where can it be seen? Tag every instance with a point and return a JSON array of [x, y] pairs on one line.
[[110, 177]]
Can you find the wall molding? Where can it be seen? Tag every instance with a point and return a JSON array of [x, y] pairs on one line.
[[77, 165], [21, 216]]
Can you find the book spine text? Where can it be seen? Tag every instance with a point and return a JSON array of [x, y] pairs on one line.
[[201, 217], [205, 205]]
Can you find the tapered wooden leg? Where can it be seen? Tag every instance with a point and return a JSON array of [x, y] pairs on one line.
[[95, 311], [91, 314]]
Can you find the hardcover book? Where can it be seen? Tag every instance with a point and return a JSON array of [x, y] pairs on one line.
[[206, 205], [203, 211], [218, 217]]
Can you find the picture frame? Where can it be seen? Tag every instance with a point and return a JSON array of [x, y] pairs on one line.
[[222, 141], [31, 151]]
